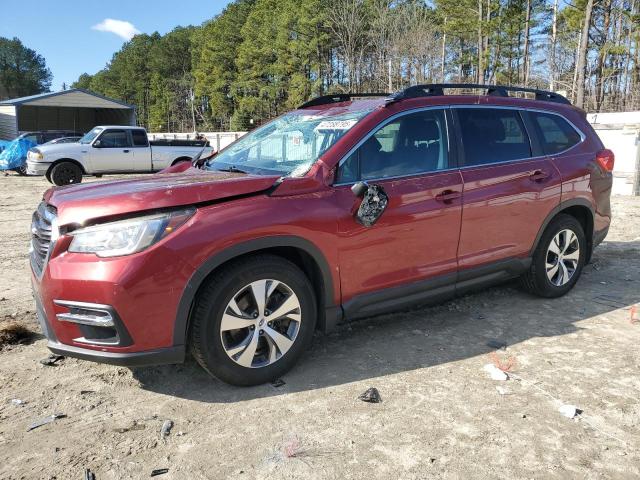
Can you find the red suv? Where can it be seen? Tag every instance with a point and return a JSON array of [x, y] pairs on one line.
[[349, 206]]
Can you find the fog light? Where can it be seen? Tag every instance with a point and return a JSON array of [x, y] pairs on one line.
[[82, 313]]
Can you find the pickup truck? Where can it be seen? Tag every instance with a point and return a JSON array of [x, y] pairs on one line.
[[110, 149]]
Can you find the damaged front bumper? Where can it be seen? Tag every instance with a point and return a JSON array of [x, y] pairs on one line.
[[126, 359]]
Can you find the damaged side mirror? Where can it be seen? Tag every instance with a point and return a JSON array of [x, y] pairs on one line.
[[374, 202]]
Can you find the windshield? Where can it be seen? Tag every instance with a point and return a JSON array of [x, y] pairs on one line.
[[286, 146], [88, 138]]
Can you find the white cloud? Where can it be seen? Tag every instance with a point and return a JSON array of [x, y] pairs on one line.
[[125, 30]]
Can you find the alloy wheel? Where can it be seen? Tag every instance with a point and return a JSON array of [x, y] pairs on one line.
[[260, 323], [562, 259]]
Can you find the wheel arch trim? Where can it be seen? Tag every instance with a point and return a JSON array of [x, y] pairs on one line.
[[574, 202], [185, 305]]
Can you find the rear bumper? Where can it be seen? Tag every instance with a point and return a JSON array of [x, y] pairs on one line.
[[599, 236]]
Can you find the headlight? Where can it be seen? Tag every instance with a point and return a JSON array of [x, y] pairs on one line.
[[35, 155], [125, 237]]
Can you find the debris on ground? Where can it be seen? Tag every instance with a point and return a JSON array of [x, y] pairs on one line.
[[634, 316], [159, 471], [278, 382], [89, 475], [166, 428], [371, 395], [46, 420], [497, 344], [17, 401], [292, 448], [569, 411], [506, 364], [495, 373], [133, 426], [51, 360], [503, 391], [13, 333]]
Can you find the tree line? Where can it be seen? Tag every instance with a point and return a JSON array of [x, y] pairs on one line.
[[259, 58]]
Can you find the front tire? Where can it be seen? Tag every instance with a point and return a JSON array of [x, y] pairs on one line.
[[252, 320], [558, 259], [65, 173]]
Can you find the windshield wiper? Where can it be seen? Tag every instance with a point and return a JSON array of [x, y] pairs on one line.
[[231, 168]]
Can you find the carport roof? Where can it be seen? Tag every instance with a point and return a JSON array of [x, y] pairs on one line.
[[74, 97]]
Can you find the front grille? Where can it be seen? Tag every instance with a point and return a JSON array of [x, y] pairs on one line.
[[41, 229]]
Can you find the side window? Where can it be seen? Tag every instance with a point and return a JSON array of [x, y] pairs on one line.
[[556, 133], [114, 139], [139, 138], [491, 135], [411, 144]]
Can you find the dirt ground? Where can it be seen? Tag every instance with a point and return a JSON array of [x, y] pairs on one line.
[[441, 415]]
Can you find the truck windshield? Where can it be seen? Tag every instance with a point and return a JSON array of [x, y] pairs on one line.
[[287, 146], [88, 137]]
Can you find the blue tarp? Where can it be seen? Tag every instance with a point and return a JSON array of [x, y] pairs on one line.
[[3, 144], [15, 154]]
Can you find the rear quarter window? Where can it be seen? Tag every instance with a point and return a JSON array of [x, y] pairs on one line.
[[556, 134]]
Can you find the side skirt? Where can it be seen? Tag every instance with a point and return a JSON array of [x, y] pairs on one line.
[[433, 290]]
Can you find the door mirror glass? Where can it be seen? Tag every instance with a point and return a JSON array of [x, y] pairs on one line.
[[97, 144], [373, 205]]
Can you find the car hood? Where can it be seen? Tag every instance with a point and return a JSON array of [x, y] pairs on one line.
[[78, 203], [58, 148]]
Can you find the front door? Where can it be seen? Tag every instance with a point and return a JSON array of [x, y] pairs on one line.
[[112, 152], [416, 237], [509, 187]]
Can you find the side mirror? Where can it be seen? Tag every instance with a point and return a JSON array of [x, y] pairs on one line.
[[97, 144], [374, 202]]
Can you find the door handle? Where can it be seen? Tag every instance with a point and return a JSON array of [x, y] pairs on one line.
[[125, 151], [448, 196], [539, 176]]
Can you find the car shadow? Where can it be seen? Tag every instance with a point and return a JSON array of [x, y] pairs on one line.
[[428, 336]]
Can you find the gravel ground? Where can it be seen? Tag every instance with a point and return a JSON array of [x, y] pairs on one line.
[[441, 415]]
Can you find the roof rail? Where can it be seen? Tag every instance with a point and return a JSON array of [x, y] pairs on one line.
[[339, 97], [437, 89]]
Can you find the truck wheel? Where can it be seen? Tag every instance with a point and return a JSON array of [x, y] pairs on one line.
[[253, 320], [65, 173], [558, 260]]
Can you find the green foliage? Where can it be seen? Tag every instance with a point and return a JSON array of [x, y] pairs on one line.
[[22, 71], [259, 58]]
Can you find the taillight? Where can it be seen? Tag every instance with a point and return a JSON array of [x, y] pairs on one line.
[[606, 159]]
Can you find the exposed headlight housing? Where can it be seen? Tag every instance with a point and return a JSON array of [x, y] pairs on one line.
[[125, 237]]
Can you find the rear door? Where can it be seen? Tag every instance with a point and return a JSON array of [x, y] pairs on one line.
[[141, 150], [510, 186], [112, 152], [416, 237]]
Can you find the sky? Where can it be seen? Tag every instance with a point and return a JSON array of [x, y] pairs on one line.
[[79, 36]]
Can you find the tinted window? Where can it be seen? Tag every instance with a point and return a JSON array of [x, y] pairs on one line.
[[411, 144], [139, 138], [491, 135], [555, 133], [114, 139]]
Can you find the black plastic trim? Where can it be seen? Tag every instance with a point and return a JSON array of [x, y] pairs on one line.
[[194, 283], [434, 290], [557, 209], [161, 356]]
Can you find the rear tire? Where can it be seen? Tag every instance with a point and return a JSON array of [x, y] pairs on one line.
[[558, 259], [241, 342], [66, 173]]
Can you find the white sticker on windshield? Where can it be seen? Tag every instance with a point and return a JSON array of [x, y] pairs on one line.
[[336, 124]]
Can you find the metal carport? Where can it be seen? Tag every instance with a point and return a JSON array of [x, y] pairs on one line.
[[74, 109]]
